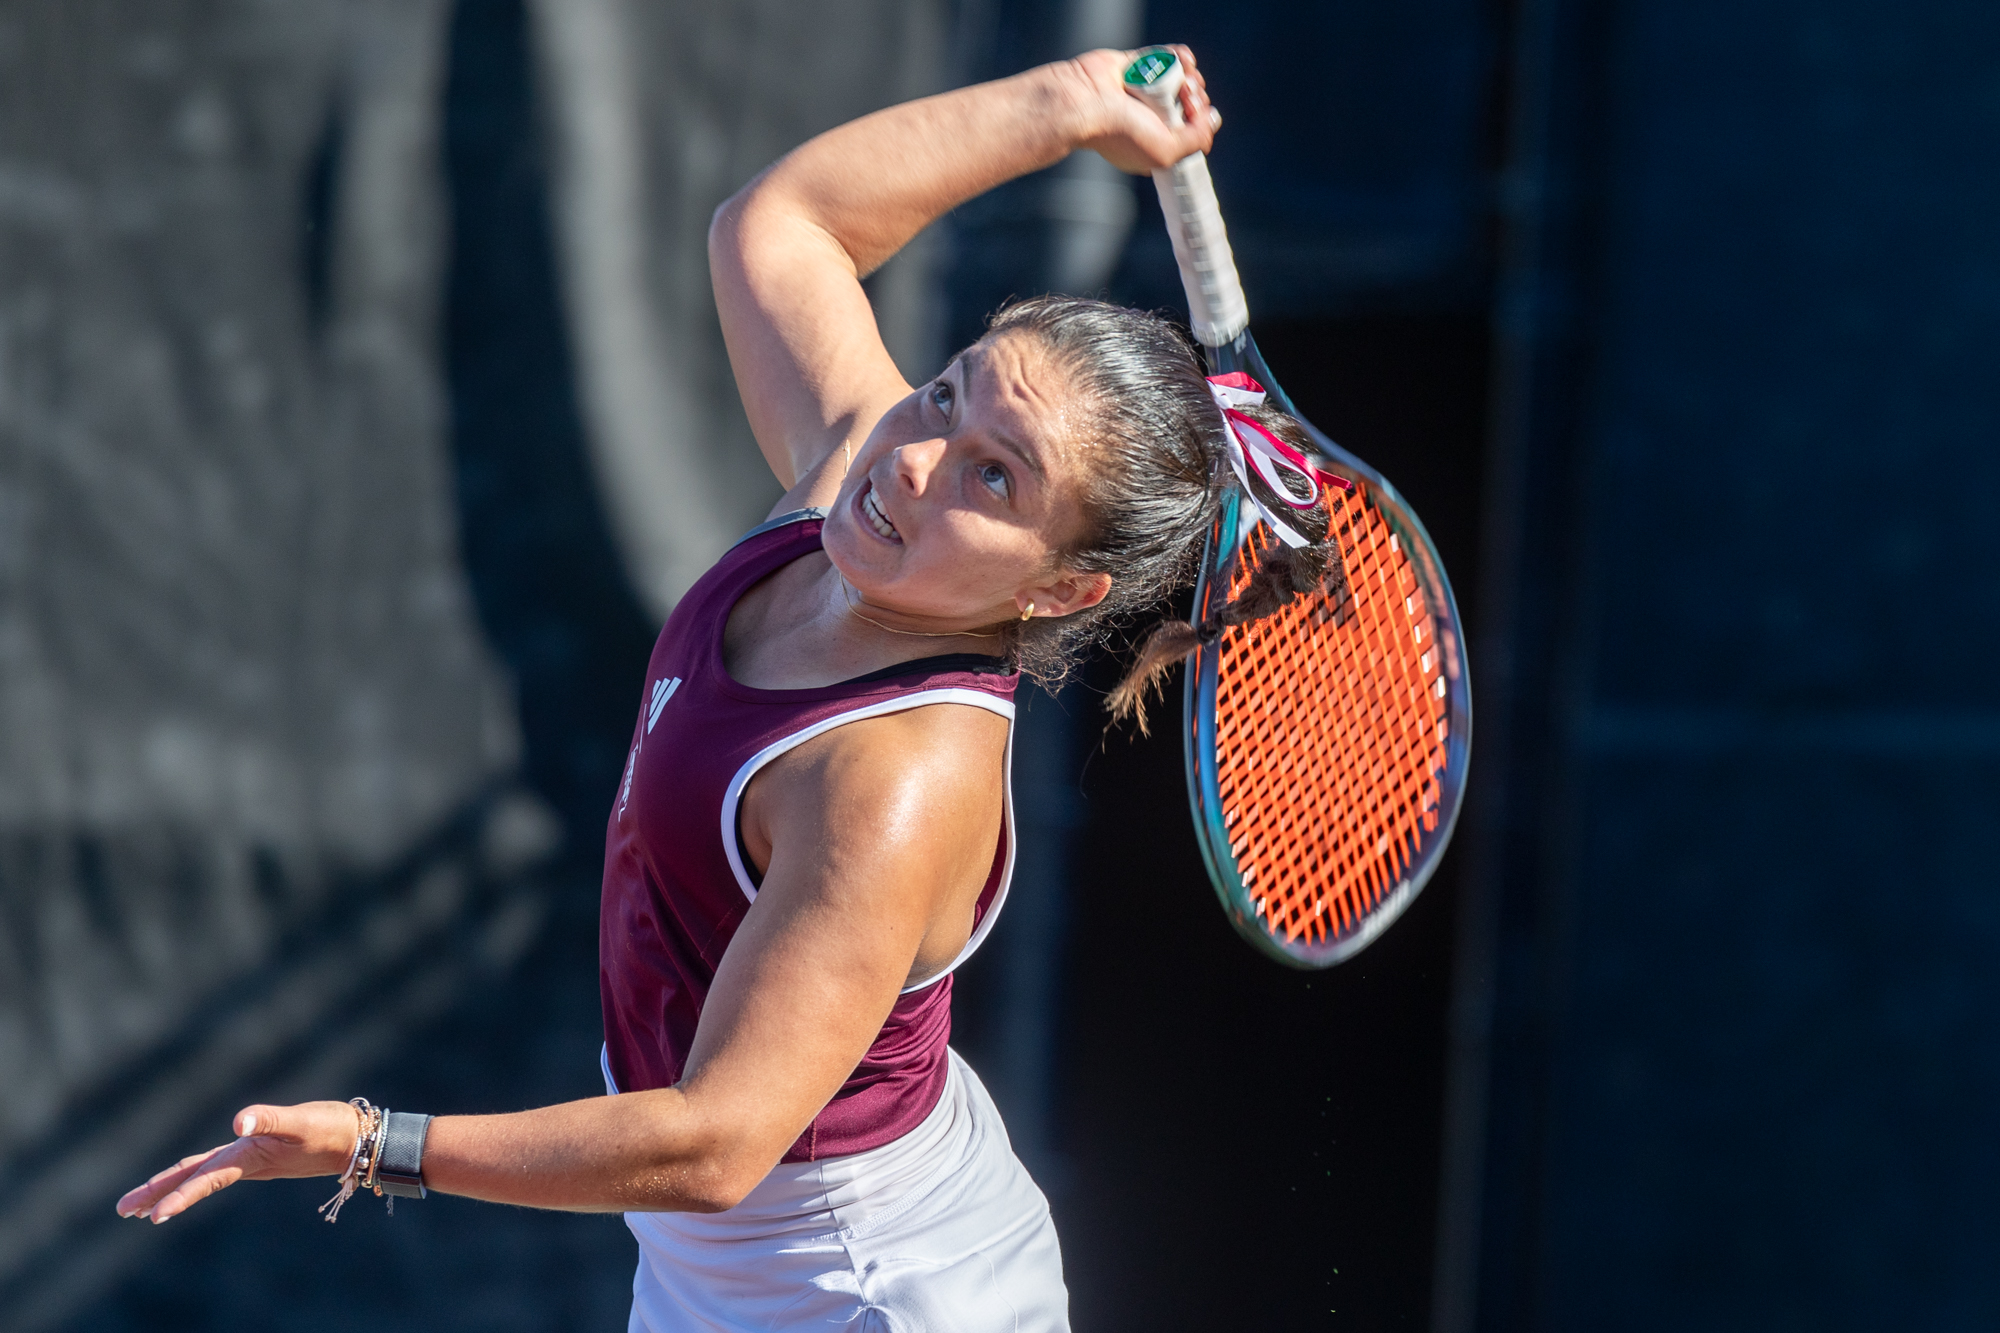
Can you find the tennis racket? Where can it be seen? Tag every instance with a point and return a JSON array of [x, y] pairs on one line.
[[1327, 744]]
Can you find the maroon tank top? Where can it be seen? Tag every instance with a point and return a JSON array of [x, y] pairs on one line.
[[676, 880]]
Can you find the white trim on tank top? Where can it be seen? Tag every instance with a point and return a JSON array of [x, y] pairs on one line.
[[902, 703]]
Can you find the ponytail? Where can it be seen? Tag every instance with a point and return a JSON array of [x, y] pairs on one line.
[[1281, 575]]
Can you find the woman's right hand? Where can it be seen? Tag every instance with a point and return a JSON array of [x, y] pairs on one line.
[[1125, 130], [273, 1143]]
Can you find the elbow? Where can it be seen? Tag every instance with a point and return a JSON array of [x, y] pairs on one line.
[[725, 227], [703, 1159], [732, 217], [721, 1170], [719, 1185], [726, 220], [716, 1202]]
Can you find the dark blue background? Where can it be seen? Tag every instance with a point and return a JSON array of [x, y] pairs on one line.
[[1747, 1070]]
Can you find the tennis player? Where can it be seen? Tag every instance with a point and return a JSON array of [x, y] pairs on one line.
[[813, 827]]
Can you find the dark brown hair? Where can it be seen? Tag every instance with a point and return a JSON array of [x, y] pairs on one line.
[[1157, 471]]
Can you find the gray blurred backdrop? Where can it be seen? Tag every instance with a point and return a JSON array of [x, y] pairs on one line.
[[363, 412]]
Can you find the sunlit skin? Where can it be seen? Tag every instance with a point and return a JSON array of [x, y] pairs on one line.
[[979, 476], [875, 838], [979, 473]]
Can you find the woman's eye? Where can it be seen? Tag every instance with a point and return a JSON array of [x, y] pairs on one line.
[[995, 478]]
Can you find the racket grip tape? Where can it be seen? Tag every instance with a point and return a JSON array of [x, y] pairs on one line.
[[1217, 312]]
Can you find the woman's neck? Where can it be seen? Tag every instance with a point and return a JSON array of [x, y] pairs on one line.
[[803, 626]]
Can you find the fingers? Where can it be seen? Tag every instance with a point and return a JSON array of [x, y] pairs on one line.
[[141, 1201], [1200, 112], [313, 1139], [1142, 140], [218, 1171], [1196, 81]]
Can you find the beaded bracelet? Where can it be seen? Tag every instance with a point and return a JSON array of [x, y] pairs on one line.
[[350, 1179], [387, 1157], [373, 1155]]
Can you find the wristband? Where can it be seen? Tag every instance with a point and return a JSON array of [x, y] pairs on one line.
[[388, 1157], [399, 1163]]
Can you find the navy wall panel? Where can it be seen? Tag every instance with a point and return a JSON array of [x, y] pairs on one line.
[[1756, 1045]]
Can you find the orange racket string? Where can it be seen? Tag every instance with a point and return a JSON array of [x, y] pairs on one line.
[[1330, 734]]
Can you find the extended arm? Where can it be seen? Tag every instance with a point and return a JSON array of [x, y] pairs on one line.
[[787, 253], [872, 833]]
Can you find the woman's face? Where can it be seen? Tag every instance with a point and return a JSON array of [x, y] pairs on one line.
[[956, 505]]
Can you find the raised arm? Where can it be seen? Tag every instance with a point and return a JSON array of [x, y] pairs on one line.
[[874, 833], [787, 253]]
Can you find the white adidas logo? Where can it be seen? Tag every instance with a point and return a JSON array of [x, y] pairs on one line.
[[663, 690]]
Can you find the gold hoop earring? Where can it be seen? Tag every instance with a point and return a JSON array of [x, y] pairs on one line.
[[1029, 612]]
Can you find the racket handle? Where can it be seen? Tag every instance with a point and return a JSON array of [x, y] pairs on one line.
[[1217, 312]]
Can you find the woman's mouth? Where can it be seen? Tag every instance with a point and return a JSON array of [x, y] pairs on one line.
[[872, 513]]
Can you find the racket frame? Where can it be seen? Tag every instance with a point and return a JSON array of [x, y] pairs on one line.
[[1219, 318], [1198, 702]]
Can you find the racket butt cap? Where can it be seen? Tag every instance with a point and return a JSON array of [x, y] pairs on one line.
[[1156, 77]]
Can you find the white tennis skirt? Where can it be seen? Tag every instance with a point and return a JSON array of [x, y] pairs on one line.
[[941, 1231]]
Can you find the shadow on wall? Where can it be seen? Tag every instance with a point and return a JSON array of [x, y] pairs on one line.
[[446, 960], [258, 815], [545, 574]]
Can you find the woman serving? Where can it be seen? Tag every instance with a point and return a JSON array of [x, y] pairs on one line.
[[812, 829]]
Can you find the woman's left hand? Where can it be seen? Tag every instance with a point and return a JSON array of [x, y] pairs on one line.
[[273, 1143], [1125, 130]]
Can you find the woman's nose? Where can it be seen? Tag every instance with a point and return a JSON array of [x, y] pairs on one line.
[[916, 462]]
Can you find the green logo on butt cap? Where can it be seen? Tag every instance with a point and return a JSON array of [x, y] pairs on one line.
[[1151, 66]]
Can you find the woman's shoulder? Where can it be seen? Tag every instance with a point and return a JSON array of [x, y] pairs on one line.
[[924, 751], [926, 775], [936, 739]]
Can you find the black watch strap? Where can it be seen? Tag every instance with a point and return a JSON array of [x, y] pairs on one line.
[[401, 1171]]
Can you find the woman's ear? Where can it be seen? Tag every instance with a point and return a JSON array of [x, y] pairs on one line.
[[1067, 595]]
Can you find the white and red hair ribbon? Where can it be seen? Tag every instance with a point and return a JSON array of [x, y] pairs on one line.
[[1252, 446]]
